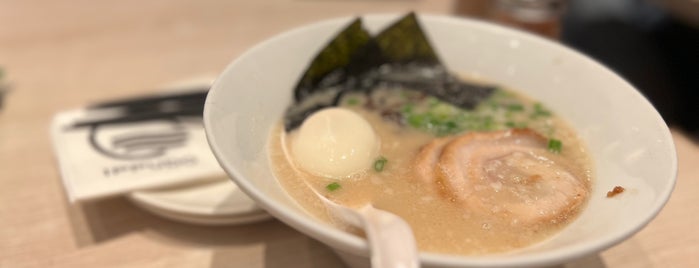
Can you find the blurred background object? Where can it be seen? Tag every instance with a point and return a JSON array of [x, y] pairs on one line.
[[654, 44], [542, 17], [650, 44], [538, 16]]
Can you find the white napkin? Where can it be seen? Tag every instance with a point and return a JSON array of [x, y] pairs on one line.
[[110, 159]]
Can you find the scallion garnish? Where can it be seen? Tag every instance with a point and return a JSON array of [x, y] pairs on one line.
[[555, 146], [515, 107], [352, 101], [540, 111], [333, 186], [380, 163]]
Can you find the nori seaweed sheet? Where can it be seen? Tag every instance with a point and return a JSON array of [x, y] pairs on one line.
[[328, 67], [404, 42], [399, 56]]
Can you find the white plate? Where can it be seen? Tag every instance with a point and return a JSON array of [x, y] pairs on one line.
[[211, 220], [216, 202]]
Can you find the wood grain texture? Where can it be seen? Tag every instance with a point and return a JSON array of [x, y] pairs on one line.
[[66, 54]]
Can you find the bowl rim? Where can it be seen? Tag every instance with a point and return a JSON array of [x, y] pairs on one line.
[[344, 241]]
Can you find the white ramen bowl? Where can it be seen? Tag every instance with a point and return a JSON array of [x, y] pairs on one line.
[[630, 144]]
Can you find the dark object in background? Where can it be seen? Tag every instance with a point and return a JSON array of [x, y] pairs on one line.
[[654, 51]]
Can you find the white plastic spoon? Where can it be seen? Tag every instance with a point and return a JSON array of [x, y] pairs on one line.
[[391, 240]]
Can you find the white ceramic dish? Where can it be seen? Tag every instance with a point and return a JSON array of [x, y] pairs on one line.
[[630, 143], [217, 202]]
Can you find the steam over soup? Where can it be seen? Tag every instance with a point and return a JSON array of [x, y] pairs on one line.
[[474, 168], [500, 177]]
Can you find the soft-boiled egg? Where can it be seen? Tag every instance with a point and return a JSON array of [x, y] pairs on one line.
[[335, 143]]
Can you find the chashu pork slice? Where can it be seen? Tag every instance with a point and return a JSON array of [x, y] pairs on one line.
[[425, 164], [507, 174]]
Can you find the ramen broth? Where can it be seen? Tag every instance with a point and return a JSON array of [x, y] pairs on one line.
[[405, 122]]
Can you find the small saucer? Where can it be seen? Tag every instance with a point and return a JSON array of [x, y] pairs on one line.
[[215, 202]]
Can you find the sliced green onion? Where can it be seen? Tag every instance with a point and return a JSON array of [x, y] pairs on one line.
[[513, 124], [333, 186], [408, 108], [540, 111], [352, 101], [432, 101], [450, 126], [515, 107], [417, 120], [555, 146], [380, 163]]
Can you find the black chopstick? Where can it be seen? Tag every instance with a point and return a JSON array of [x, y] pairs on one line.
[[162, 106], [196, 94], [189, 103], [131, 118]]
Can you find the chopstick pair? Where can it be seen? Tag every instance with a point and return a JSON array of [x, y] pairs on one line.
[[190, 103]]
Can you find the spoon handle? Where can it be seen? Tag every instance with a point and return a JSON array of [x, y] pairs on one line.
[[394, 245]]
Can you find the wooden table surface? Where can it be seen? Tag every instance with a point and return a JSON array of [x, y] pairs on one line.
[[60, 55]]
